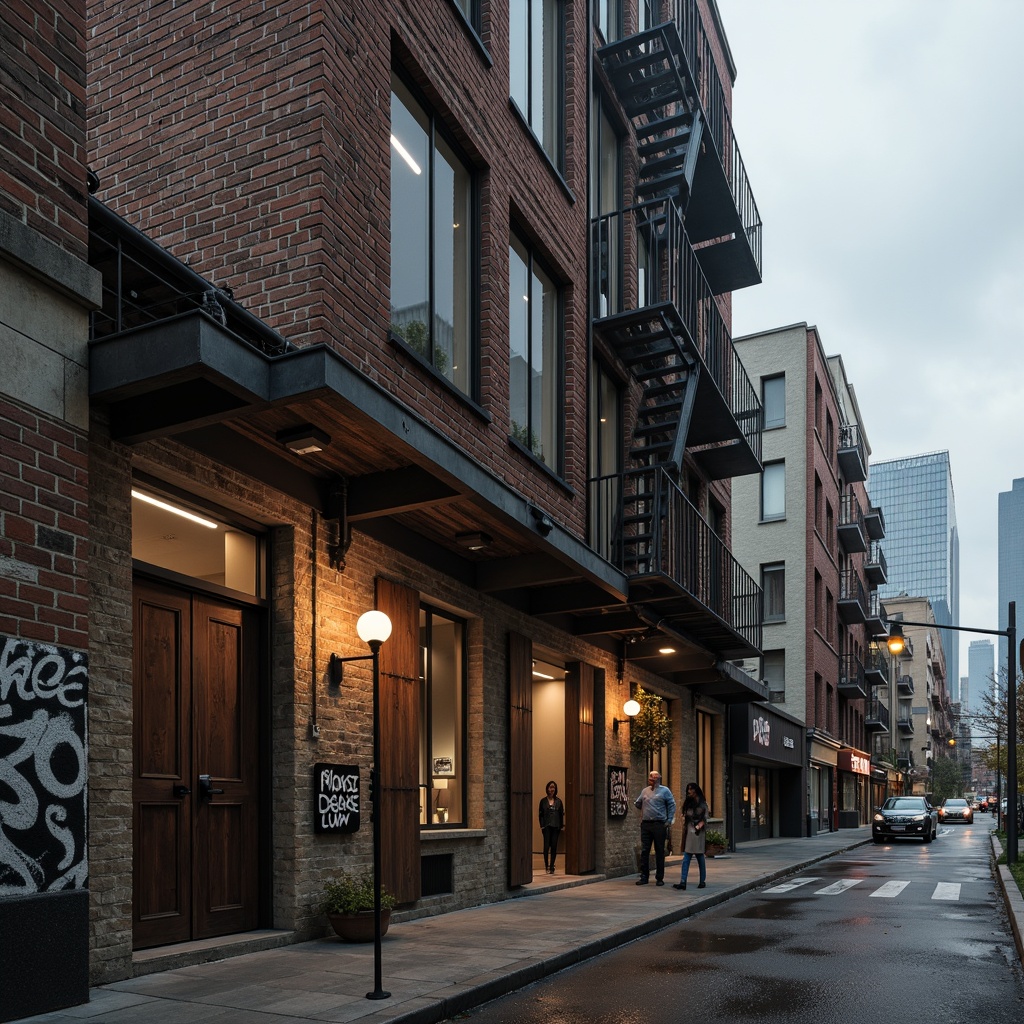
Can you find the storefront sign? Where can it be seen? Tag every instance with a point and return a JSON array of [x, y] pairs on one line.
[[618, 791], [335, 798], [854, 761], [759, 732]]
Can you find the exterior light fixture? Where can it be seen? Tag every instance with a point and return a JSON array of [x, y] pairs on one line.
[[895, 642], [666, 650], [475, 540], [630, 709], [168, 507], [543, 521], [373, 627], [304, 440]]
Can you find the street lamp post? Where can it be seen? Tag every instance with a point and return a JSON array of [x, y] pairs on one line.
[[895, 644], [374, 628]]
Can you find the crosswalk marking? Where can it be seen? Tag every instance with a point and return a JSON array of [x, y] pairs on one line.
[[887, 890], [837, 887], [890, 889], [793, 883]]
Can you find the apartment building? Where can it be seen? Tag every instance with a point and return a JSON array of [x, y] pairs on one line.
[[805, 531], [416, 309]]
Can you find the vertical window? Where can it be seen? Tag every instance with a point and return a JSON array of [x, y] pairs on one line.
[[605, 458], [608, 16], [432, 241], [471, 10], [705, 757], [773, 583], [535, 68], [819, 497], [773, 491], [819, 605], [773, 398], [443, 770], [773, 672], [535, 357], [605, 193], [830, 527]]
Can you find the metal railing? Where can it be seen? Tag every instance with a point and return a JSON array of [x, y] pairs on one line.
[[851, 588], [850, 512], [718, 121], [851, 673], [876, 556], [669, 272], [876, 711], [643, 523]]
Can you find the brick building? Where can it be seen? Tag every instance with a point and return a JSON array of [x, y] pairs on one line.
[[422, 308], [812, 539]]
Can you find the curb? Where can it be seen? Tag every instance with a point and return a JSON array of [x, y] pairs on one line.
[[1011, 897], [470, 998]]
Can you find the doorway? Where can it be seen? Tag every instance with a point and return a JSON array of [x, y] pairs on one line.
[[196, 764]]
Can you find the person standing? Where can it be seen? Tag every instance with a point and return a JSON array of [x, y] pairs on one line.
[[552, 821], [657, 814], [695, 825]]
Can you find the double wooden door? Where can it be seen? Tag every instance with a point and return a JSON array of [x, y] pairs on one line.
[[196, 812]]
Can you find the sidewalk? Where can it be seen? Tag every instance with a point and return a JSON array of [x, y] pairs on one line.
[[437, 967]]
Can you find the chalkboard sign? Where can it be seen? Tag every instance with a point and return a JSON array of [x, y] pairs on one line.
[[336, 798], [618, 791]]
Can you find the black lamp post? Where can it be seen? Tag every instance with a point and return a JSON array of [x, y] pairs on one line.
[[896, 645], [374, 628]]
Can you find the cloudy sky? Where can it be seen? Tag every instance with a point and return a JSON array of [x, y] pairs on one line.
[[884, 140]]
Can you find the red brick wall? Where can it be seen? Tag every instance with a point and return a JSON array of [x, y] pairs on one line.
[[254, 143], [43, 528], [42, 118]]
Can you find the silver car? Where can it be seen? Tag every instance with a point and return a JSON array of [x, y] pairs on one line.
[[905, 817]]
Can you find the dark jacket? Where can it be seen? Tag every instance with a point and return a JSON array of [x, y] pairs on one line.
[[551, 817]]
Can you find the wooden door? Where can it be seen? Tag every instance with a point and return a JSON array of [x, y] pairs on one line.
[[195, 682], [520, 760], [580, 806]]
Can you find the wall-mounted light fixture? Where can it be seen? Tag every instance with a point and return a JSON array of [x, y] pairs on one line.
[[475, 540], [304, 440], [630, 709], [543, 521], [168, 507]]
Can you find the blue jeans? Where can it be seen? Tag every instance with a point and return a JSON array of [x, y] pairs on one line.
[[686, 866]]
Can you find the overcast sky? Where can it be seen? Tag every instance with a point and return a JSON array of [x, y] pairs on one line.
[[884, 140]]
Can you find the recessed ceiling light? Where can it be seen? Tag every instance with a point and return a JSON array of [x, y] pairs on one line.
[[304, 440]]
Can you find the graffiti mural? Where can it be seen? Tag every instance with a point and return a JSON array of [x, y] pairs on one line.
[[43, 768]]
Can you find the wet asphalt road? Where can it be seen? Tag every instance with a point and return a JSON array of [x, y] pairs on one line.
[[902, 932]]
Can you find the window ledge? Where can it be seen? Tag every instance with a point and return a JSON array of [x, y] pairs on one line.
[[433, 834]]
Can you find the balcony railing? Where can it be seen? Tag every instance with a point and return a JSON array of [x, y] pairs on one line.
[[905, 685], [876, 715], [644, 524], [669, 272], [852, 462], [850, 527], [718, 122], [876, 666], [876, 568], [851, 677], [874, 621], [852, 605]]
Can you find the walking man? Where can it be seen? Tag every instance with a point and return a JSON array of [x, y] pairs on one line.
[[657, 814]]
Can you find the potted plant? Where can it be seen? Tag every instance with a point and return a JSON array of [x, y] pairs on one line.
[[715, 842], [650, 728], [348, 903]]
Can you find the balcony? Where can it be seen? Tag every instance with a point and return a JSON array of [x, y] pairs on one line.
[[851, 677], [850, 528], [905, 685], [852, 603], [852, 462], [905, 722], [874, 522], [676, 563], [876, 666], [667, 81], [874, 622], [697, 396], [876, 716], [876, 569]]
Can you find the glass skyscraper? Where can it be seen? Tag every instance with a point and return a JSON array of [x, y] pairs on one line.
[[981, 664], [921, 544], [1011, 560]]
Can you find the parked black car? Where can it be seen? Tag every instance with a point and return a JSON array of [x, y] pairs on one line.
[[905, 817], [956, 810]]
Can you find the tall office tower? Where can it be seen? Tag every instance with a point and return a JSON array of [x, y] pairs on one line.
[[1011, 559], [922, 545], [981, 662]]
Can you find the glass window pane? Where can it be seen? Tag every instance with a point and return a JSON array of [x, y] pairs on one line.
[[773, 583], [519, 53], [410, 207], [773, 491], [518, 311], [773, 398]]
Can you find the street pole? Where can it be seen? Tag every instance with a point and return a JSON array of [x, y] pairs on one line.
[[1011, 733], [378, 990]]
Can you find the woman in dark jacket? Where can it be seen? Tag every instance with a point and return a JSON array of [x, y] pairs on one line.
[[695, 823], [552, 821]]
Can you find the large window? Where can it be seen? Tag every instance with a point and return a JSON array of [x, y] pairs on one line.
[[773, 398], [432, 240], [773, 672], [535, 357], [605, 201], [536, 57], [443, 769], [773, 491], [773, 583], [605, 458]]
